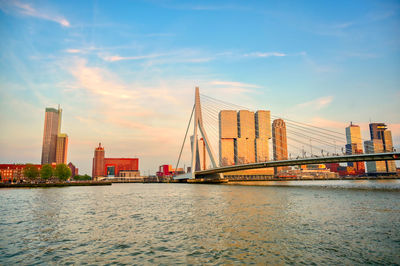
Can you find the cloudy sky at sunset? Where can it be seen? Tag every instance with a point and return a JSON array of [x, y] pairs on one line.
[[124, 72]]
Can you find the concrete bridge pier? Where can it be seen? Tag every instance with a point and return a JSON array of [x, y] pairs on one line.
[[214, 178]]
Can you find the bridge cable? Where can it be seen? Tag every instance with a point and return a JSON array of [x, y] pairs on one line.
[[184, 139]]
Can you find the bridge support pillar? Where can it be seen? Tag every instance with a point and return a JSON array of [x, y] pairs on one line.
[[208, 179], [198, 125]]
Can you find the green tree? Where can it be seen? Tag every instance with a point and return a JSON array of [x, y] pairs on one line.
[[31, 172], [87, 177], [82, 177], [46, 172], [62, 172]]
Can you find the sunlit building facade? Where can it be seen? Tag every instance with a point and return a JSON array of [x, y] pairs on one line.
[[279, 142], [375, 146], [244, 136], [52, 123], [263, 134], [380, 132], [228, 133], [354, 146], [245, 142], [62, 148], [353, 136], [55, 144]]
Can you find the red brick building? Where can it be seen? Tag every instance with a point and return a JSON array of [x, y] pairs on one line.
[[74, 170], [98, 162], [14, 172], [112, 166]]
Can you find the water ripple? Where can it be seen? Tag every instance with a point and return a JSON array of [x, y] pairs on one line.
[[201, 224]]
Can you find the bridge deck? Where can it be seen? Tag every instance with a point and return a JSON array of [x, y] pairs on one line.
[[316, 160]]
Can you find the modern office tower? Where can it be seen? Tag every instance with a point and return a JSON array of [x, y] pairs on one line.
[[263, 134], [228, 132], [246, 124], [375, 146], [228, 124], [245, 142], [376, 130], [279, 142], [244, 151], [244, 136], [353, 136], [52, 123], [226, 152], [379, 131], [263, 124], [98, 162], [261, 150], [62, 148], [354, 146], [388, 141]]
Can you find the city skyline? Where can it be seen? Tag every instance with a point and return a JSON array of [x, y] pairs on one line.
[[128, 82]]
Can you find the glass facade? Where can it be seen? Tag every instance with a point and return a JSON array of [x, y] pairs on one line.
[[51, 130]]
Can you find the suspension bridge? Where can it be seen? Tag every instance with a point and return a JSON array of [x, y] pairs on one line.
[[306, 144]]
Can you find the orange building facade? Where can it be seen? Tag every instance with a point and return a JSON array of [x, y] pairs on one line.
[[279, 142]]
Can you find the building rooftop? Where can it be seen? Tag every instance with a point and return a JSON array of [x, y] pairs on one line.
[[50, 109]]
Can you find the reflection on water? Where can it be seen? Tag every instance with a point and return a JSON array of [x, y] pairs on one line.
[[330, 222], [388, 184]]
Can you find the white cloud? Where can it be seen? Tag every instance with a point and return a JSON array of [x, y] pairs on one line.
[[326, 123], [73, 51], [171, 57], [28, 10], [115, 58], [268, 54], [317, 103]]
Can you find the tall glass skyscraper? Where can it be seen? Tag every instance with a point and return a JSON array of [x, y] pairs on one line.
[[354, 146], [380, 134], [52, 136]]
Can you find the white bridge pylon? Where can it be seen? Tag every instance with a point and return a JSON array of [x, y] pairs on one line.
[[198, 125]]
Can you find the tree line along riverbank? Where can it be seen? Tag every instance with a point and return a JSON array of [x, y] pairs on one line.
[[56, 184]]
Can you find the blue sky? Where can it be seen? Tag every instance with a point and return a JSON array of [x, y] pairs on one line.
[[124, 72]]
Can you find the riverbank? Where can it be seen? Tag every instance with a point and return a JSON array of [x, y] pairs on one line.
[[195, 181], [60, 184], [317, 179], [275, 179]]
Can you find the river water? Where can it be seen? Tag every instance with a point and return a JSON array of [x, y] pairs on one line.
[[327, 222]]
